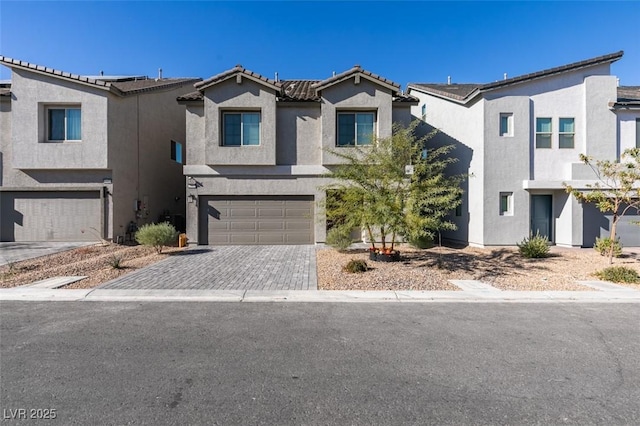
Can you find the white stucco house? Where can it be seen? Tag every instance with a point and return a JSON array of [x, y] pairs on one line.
[[257, 150], [83, 157], [520, 139]]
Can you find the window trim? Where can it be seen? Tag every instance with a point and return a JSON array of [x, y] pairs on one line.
[[355, 114], [560, 133], [508, 211], [550, 133], [509, 132], [47, 118], [241, 113]]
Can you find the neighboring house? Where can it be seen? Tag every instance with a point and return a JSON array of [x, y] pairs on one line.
[[520, 138], [83, 157], [258, 150]]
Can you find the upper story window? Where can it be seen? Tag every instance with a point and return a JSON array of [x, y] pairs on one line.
[[506, 124], [356, 128], [241, 128], [543, 132], [64, 124], [566, 133], [176, 151]]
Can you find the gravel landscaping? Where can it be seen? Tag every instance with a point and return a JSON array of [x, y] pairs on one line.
[[502, 267], [428, 269], [95, 262]]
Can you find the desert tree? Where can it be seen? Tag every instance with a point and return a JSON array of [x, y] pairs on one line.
[[616, 190], [372, 190]]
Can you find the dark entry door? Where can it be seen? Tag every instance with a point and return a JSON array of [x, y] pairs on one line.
[[541, 215]]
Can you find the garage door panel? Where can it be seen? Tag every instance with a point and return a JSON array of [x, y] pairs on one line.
[[50, 216], [271, 226], [258, 220], [244, 226], [271, 213]]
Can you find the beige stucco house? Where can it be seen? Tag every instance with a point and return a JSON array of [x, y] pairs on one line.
[[258, 150], [83, 157]]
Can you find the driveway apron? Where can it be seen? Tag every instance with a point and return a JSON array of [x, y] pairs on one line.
[[228, 268]]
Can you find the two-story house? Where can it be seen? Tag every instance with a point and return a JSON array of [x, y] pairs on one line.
[[520, 139], [259, 147], [83, 157]]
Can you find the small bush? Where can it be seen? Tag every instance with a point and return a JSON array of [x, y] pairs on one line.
[[534, 247], [115, 262], [421, 242], [603, 245], [618, 274], [157, 235], [356, 266], [339, 238]]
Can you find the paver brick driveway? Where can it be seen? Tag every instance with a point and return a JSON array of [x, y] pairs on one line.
[[228, 268]]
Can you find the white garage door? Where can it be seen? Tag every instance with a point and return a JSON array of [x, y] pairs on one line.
[[50, 216], [256, 220]]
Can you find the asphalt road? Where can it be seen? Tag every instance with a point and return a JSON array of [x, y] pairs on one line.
[[321, 363]]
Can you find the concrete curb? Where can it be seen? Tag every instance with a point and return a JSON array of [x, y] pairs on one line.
[[315, 296]]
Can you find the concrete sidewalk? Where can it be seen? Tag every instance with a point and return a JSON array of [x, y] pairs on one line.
[[470, 296]]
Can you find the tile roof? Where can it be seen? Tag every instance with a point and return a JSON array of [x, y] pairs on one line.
[[629, 94], [464, 92], [299, 90], [122, 88], [150, 84], [356, 69], [230, 73], [628, 98], [455, 90]]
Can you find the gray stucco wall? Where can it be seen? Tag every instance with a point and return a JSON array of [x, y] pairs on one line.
[[5, 136], [507, 165], [246, 96], [298, 134], [348, 96], [141, 128], [32, 94]]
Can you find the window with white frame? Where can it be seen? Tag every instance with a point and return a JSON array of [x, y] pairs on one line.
[[543, 132], [637, 132], [566, 133], [506, 124], [176, 151], [356, 128], [506, 203], [424, 112], [64, 123], [241, 128]]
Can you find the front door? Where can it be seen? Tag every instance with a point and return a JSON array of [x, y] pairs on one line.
[[541, 215]]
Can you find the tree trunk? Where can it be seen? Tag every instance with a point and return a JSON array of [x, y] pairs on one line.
[[370, 232], [614, 222]]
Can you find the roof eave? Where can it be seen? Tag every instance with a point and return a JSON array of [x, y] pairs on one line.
[[202, 86], [333, 81], [446, 96]]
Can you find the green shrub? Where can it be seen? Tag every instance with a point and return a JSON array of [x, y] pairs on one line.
[[603, 245], [534, 247], [356, 266], [157, 235], [421, 242], [115, 262], [339, 238], [618, 274]]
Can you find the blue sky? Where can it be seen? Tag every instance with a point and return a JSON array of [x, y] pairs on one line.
[[415, 41]]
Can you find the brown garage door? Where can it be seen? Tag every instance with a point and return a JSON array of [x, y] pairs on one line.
[[49, 216], [256, 220]]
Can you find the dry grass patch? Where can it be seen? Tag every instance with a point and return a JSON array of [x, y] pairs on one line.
[[95, 262], [502, 267]]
